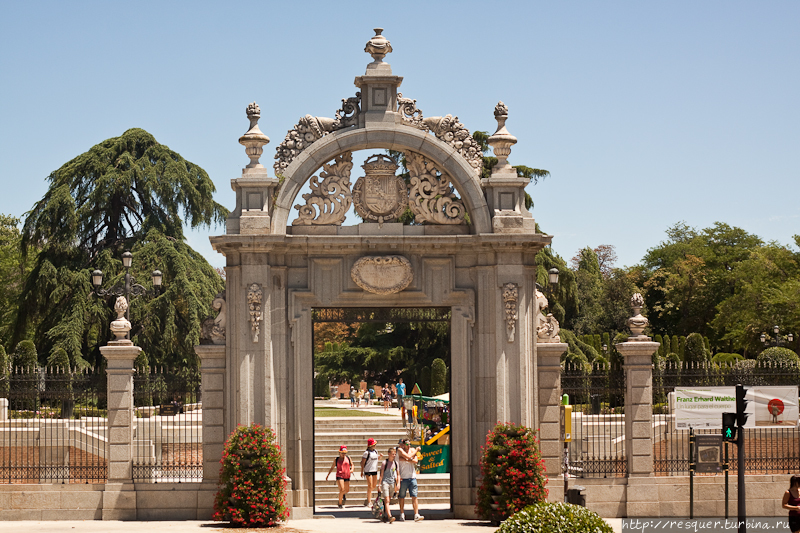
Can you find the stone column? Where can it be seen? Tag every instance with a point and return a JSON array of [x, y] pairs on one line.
[[637, 353], [212, 368], [548, 357], [119, 498]]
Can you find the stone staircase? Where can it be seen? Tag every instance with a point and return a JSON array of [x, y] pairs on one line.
[[353, 432]]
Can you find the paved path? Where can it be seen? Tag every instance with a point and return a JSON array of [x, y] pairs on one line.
[[336, 525]]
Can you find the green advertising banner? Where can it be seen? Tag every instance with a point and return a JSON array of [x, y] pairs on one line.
[[435, 460]]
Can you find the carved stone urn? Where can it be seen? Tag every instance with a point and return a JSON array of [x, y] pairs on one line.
[[637, 322], [120, 326]]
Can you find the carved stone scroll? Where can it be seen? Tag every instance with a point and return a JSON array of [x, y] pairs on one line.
[[310, 129], [328, 201], [446, 128], [431, 196], [510, 295], [387, 274], [213, 328], [254, 295]]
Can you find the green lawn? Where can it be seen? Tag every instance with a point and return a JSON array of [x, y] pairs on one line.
[[335, 411]]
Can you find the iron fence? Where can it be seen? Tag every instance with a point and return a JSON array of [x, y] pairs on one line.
[[768, 450], [168, 431], [52, 426], [597, 395]]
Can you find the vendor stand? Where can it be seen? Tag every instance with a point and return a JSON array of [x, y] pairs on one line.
[[430, 430]]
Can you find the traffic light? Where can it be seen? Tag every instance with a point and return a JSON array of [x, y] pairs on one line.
[[729, 427], [741, 406]]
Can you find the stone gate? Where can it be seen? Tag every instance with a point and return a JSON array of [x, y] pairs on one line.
[[471, 249]]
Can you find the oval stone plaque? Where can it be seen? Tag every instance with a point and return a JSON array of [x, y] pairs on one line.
[[382, 274]]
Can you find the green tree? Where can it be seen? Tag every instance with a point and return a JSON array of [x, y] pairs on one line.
[[438, 377], [13, 268], [590, 293], [128, 192], [674, 345], [695, 350], [5, 372]]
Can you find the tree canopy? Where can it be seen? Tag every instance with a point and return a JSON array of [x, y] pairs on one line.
[[126, 193]]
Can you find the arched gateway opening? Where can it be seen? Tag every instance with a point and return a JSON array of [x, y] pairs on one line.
[[434, 235]]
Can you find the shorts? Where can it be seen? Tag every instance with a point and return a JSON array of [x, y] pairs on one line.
[[370, 474], [794, 523], [342, 478], [386, 491], [409, 485]]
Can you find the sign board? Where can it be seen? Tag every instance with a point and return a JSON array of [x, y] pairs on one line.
[[435, 460], [702, 407], [708, 453], [566, 423]]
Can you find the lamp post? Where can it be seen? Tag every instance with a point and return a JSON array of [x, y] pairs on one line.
[[777, 339], [129, 287], [552, 276]]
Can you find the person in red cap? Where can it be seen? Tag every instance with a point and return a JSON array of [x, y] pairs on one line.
[[369, 468], [343, 465]]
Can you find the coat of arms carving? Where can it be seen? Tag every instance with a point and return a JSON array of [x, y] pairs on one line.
[[380, 195]]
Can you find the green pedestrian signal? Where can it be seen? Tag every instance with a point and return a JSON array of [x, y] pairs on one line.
[[729, 427]]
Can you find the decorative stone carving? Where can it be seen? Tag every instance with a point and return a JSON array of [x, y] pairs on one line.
[[213, 329], [378, 46], [254, 295], [387, 274], [510, 295], [447, 129], [431, 196], [380, 195], [121, 326], [637, 322], [254, 140], [310, 129], [502, 141], [328, 201]]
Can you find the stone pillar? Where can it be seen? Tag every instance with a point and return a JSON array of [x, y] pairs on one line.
[[548, 357], [119, 498], [212, 368]]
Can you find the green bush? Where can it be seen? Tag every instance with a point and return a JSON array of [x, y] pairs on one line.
[[252, 489], [673, 358], [513, 472], [558, 517], [58, 358], [682, 347], [695, 350], [777, 356], [675, 346], [438, 377], [25, 355], [660, 341], [726, 358], [5, 372], [322, 388], [424, 381]]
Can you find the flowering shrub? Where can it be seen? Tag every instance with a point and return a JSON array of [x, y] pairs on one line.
[[252, 486], [547, 517], [513, 473]]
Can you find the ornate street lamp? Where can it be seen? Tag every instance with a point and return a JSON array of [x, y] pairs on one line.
[[552, 275], [777, 339], [129, 288]]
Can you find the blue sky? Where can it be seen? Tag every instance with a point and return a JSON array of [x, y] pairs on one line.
[[645, 113]]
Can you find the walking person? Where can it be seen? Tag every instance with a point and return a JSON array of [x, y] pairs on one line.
[[358, 398], [369, 468], [352, 396], [390, 483], [387, 397], [401, 392], [407, 459], [791, 502], [343, 466]]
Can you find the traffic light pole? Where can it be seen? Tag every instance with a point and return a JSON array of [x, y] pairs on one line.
[[741, 419]]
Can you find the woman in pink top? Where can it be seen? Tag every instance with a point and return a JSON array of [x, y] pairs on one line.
[[344, 466]]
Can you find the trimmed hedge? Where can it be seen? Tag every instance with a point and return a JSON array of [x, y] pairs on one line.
[[555, 517]]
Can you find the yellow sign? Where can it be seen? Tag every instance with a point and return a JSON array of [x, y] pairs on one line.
[[566, 423]]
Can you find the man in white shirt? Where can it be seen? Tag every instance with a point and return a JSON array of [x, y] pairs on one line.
[[407, 458]]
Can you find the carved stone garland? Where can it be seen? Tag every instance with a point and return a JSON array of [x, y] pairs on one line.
[[328, 201], [446, 128], [510, 295], [254, 295], [431, 196], [310, 129]]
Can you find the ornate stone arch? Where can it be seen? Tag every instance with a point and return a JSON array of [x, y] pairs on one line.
[[392, 136]]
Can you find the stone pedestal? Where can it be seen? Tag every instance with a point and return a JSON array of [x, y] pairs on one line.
[[119, 498], [548, 357], [212, 368], [642, 500]]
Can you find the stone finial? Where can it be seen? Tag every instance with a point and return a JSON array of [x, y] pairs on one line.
[[502, 141], [378, 46], [637, 322], [253, 140], [120, 327]]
